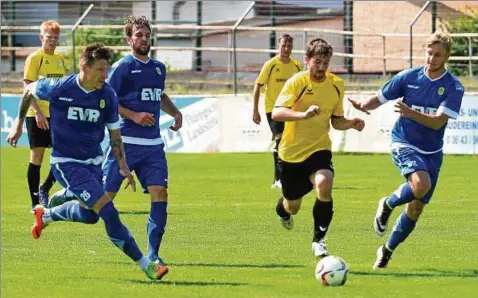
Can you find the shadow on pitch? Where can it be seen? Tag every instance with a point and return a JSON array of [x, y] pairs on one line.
[[422, 273], [265, 266], [135, 212], [187, 283]]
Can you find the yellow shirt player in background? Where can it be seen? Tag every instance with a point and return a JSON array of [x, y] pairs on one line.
[[43, 63], [309, 103], [274, 74]]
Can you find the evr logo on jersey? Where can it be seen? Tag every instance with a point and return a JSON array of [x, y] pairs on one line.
[[151, 94], [77, 113]]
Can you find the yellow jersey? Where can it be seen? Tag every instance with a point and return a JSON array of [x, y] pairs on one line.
[[302, 138], [41, 65], [274, 74]]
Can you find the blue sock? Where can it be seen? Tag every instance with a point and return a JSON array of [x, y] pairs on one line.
[[403, 227], [402, 195], [156, 226], [72, 211], [118, 233]]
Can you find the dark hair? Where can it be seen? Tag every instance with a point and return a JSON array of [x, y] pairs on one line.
[[319, 47], [94, 52], [133, 22], [286, 37]]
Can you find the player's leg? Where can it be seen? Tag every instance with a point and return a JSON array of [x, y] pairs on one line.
[[84, 182], [276, 128], [413, 167], [323, 176], [60, 197], [295, 184], [407, 220], [46, 186], [37, 150], [152, 172]]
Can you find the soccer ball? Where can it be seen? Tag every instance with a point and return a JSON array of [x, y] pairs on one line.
[[332, 271]]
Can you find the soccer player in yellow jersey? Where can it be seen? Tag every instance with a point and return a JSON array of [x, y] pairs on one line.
[[309, 102], [43, 63], [274, 74]]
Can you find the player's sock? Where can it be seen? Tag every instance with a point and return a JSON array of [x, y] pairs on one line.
[[281, 210], [118, 233], [403, 227], [33, 176], [322, 213], [71, 211], [275, 152], [156, 225], [402, 195], [46, 186]]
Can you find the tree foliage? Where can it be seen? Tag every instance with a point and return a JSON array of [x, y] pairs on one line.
[[461, 45]]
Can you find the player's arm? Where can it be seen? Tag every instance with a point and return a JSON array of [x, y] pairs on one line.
[[432, 121], [169, 108], [256, 94], [342, 123], [117, 148], [338, 121], [25, 101], [287, 114], [140, 118], [367, 105], [261, 80]]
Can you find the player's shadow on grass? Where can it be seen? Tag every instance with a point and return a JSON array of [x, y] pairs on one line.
[[265, 266], [422, 273], [135, 212], [188, 283]]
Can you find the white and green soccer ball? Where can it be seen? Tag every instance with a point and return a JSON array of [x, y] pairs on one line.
[[332, 271]]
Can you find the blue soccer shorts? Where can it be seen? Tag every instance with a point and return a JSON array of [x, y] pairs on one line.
[[148, 163], [84, 181], [409, 161]]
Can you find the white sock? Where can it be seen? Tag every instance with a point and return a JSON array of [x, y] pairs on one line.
[[46, 217], [143, 262]]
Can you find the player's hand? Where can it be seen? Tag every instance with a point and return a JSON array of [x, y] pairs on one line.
[[42, 122], [15, 134], [311, 111], [256, 117], [129, 178], [144, 119], [358, 105], [402, 108], [358, 124], [178, 122]]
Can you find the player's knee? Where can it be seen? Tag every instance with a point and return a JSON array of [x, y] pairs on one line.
[[36, 155], [158, 193], [421, 188], [292, 207], [324, 188]]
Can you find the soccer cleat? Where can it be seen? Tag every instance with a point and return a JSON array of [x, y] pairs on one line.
[[159, 261], [43, 195], [319, 249], [287, 223], [276, 184], [156, 271], [383, 256], [60, 197], [38, 226], [381, 217]]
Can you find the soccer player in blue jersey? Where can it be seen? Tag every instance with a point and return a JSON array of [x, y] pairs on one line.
[[430, 95], [139, 82], [81, 106]]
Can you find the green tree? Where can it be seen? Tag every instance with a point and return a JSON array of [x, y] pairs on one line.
[[83, 37], [464, 24]]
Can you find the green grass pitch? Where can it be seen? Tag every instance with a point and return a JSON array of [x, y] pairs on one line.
[[223, 238]]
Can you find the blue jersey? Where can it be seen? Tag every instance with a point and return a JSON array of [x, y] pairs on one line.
[[139, 86], [425, 95], [77, 118]]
